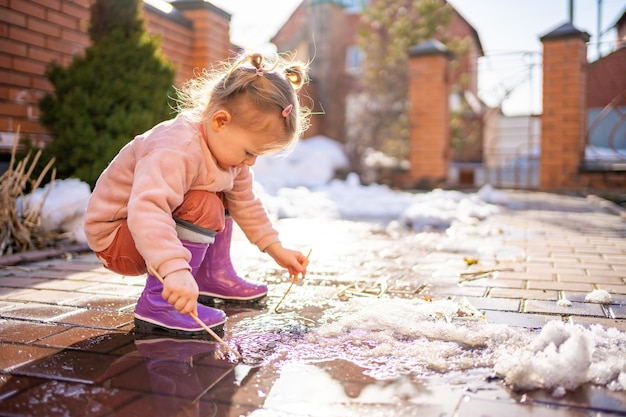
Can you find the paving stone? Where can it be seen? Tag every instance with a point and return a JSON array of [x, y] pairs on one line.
[[103, 302], [527, 294], [20, 282], [595, 280], [112, 289], [72, 337], [440, 291], [587, 321], [616, 299], [11, 294], [44, 296], [496, 283], [619, 311], [612, 403], [560, 286], [18, 331], [499, 304], [617, 291], [64, 284], [576, 309], [475, 407], [37, 312], [11, 385], [530, 321], [97, 318], [60, 398], [69, 365], [15, 355], [4, 305]]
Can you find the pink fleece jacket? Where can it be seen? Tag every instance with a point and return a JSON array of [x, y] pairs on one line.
[[146, 182]]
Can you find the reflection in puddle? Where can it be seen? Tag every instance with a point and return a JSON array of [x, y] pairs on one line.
[[178, 373], [261, 337], [307, 387], [339, 388]]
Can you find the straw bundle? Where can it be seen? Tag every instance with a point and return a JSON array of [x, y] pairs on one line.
[[19, 219]]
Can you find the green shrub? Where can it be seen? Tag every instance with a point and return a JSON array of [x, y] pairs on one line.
[[119, 88]]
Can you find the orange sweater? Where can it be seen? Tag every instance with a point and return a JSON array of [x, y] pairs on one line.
[[147, 181]]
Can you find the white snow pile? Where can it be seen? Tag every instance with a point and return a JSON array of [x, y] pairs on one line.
[[301, 185], [564, 356], [394, 337], [312, 162], [599, 297], [64, 203]]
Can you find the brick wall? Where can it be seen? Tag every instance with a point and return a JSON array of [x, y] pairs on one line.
[[607, 80], [210, 38], [564, 119], [429, 115], [33, 33], [36, 32], [564, 109]]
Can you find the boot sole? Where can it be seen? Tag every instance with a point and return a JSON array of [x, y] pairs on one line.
[[143, 326], [209, 299]]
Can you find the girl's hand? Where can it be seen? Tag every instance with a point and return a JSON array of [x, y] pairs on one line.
[[181, 291], [293, 260]]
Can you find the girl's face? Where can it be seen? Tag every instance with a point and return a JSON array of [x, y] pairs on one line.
[[233, 146]]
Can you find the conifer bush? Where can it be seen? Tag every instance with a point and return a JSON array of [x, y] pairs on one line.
[[120, 87]]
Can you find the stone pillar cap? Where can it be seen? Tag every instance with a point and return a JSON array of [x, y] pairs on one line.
[[430, 47], [566, 30]]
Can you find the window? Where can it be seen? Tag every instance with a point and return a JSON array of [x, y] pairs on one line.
[[355, 6], [354, 59]]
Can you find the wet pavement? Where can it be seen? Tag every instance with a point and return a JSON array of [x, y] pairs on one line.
[[68, 345]]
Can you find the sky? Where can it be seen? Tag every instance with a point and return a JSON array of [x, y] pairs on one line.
[[509, 31]]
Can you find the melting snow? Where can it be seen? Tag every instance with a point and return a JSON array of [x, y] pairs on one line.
[[599, 297], [395, 337]]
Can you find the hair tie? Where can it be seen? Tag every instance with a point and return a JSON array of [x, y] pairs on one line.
[[287, 110], [259, 72]]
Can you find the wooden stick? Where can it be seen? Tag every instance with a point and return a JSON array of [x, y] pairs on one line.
[[293, 281], [200, 322]]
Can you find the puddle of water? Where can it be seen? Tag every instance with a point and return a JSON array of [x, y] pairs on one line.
[[262, 337], [393, 337], [339, 388]]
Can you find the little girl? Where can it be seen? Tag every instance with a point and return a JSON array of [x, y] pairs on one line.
[[161, 202]]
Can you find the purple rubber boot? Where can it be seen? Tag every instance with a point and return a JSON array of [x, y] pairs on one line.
[[153, 313], [217, 278]]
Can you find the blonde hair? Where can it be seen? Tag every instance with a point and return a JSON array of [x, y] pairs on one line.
[[250, 87]]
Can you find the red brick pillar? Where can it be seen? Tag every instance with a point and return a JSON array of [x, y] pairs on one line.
[[429, 114], [564, 118], [211, 31]]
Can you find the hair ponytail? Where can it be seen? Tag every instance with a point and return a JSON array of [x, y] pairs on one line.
[[250, 87], [296, 75]]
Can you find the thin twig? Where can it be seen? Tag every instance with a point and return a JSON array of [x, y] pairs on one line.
[[471, 276], [200, 322], [293, 281]]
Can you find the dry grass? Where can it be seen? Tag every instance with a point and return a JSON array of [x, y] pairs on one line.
[[19, 219]]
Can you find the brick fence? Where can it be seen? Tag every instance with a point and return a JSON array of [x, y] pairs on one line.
[[563, 123], [194, 34]]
